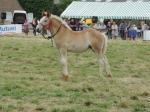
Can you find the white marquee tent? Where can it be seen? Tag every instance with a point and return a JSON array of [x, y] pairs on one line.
[[108, 10]]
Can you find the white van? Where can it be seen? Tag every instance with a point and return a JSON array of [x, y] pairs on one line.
[[19, 17]]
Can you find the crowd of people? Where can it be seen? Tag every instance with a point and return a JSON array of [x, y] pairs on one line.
[[124, 29]]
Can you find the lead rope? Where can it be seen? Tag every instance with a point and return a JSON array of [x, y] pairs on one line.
[[53, 35]]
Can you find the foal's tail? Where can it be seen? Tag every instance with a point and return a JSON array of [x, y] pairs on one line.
[[105, 44]]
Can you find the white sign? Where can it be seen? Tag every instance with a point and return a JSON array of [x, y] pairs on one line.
[[9, 29], [146, 35], [30, 17], [9, 16]]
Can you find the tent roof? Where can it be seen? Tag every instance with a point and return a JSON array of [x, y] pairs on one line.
[[108, 10]]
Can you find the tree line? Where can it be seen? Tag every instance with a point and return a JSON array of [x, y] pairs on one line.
[[37, 6]]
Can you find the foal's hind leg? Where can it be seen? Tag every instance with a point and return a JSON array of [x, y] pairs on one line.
[[106, 66], [100, 59], [103, 63], [63, 60]]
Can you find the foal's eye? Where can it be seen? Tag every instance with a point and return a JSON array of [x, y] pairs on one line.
[[45, 21]]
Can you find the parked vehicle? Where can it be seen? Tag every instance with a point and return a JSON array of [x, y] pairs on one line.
[[19, 17]]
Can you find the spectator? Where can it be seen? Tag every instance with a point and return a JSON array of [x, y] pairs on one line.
[[67, 21], [102, 27], [78, 25], [114, 29], [109, 30], [73, 24], [144, 27], [26, 27], [122, 29], [85, 26], [111, 21], [47, 13], [133, 31], [96, 26], [127, 30], [34, 24]]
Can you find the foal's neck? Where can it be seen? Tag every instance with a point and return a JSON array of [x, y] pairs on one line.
[[57, 24]]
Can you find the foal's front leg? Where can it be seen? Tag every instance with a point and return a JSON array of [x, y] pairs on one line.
[[63, 60]]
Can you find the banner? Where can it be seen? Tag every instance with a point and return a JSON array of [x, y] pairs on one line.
[[9, 29]]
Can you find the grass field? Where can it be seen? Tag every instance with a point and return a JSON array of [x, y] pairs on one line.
[[30, 78]]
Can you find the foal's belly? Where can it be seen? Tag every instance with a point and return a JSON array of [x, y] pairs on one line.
[[77, 48]]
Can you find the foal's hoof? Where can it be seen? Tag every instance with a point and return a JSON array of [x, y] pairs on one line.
[[65, 77], [109, 76]]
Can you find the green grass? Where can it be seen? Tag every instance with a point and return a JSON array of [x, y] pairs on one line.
[[30, 78]]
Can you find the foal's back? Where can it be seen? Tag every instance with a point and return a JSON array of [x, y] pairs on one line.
[[89, 35]]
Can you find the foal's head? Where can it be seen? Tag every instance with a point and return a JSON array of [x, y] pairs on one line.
[[44, 21]]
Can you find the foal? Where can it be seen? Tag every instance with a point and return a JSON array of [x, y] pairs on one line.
[[67, 40]]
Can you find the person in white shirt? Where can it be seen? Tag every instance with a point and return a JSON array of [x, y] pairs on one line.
[[102, 27], [114, 29]]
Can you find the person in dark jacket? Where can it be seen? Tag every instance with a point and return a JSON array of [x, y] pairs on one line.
[[34, 24], [108, 27], [122, 29]]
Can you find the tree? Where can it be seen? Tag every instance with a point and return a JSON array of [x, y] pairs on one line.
[[63, 5], [37, 6]]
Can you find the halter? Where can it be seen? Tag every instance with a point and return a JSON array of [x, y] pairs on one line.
[[50, 25]]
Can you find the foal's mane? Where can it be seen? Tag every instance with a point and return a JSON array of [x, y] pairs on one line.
[[61, 20]]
